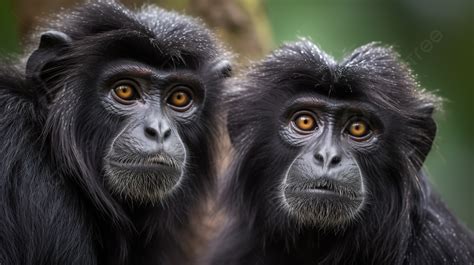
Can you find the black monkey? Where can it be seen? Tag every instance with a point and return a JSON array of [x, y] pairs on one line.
[[327, 168], [107, 135]]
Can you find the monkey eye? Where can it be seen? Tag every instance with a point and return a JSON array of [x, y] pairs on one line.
[[125, 92], [180, 99], [304, 122], [359, 130]]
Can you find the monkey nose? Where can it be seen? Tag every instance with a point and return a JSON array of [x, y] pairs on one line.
[[153, 134], [157, 131], [327, 160]]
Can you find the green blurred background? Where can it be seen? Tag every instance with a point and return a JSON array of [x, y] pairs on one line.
[[435, 37]]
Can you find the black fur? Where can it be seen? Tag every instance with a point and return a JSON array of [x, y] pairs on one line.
[[403, 220], [54, 206]]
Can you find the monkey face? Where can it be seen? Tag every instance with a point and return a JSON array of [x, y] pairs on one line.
[[324, 184], [146, 157], [139, 119]]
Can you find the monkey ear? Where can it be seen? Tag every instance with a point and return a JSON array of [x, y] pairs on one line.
[[237, 124], [223, 69], [50, 45], [232, 132], [425, 134]]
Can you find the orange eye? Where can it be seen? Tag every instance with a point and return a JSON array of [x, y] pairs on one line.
[[124, 93], [180, 99], [305, 122], [358, 129]]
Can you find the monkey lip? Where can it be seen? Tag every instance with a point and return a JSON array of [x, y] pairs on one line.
[[318, 193], [321, 191], [160, 160], [323, 188], [157, 162], [141, 166], [313, 191]]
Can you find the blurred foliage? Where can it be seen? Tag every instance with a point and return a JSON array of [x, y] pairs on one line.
[[242, 24], [435, 37], [8, 31]]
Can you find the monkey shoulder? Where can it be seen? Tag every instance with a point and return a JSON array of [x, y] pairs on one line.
[[53, 229], [439, 237]]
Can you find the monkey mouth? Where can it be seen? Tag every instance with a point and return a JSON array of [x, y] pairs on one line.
[[321, 202], [323, 187], [164, 160], [148, 162]]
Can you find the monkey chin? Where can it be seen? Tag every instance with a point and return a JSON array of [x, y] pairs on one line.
[[142, 184], [322, 208]]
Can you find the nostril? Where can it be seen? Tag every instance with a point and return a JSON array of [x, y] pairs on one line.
[[167, 134], [335, 160], [319, 158], [150, 132]]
